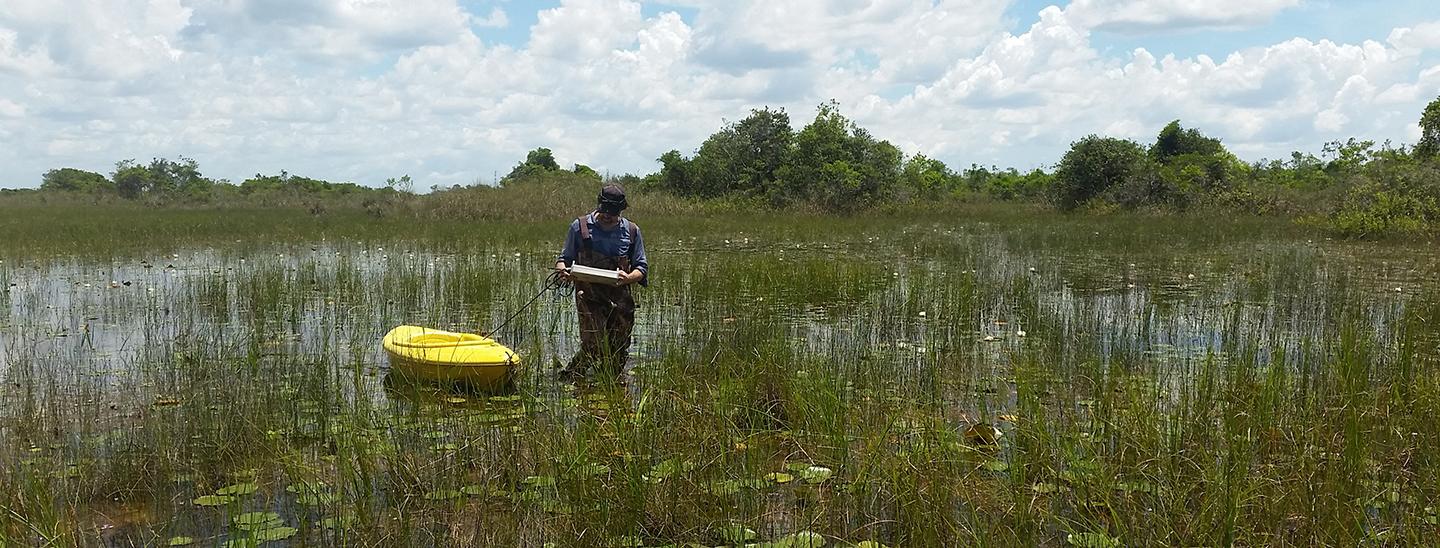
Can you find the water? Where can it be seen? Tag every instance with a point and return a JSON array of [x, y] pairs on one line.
[[223, 360]]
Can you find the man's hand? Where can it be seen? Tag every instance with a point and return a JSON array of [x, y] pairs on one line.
[[633, 276], [564, 272]]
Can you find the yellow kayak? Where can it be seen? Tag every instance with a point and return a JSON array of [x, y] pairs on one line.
[[434, 355]]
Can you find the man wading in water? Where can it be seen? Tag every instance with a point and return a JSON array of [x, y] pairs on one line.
[[604, 239]]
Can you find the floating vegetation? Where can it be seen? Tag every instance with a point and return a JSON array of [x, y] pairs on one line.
[[779, 477], [238, 489], [256, 520], [983, 435], [1092, 540], [213, 500], [815, 474], [443, 494]]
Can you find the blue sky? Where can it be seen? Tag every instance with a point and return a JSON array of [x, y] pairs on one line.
[[455, 91]]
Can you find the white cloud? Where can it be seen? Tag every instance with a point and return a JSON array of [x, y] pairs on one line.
[[1157, 15], [585, 29], [368, 89], [1420, 37], [1047, 87], [92, 39], [497, 19], [11, 109]]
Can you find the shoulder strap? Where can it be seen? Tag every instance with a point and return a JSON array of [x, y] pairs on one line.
[[584, 227], [634, 230]]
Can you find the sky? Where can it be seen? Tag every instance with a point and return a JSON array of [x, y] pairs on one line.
[[456, 91]]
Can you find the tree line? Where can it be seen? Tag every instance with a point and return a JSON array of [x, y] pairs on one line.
[[1353, 187]]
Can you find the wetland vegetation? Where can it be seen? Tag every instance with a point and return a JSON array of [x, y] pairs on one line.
[[961, 374]]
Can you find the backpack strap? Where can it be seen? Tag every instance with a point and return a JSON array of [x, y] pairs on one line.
[[584, 221]]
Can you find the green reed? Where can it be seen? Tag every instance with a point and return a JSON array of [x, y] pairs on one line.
[[1226, 384]]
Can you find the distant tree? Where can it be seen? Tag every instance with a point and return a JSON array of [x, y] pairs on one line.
[[1429, 146], [766, 137], [288, 182], [543, 158], [537, 162], [403, 184], [1094, 164], [1347, 156], [839, 165], [77, 180], [131, 179], [585, 171], [675, 173], [926, 177], [1174, 141], [743, 157]]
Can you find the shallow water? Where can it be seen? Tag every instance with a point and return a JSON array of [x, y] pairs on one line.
[[191, 353]]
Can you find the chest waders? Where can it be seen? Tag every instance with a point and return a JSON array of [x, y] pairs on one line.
[[607, 313]]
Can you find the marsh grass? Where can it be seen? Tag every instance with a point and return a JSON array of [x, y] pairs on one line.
[[970, 377]]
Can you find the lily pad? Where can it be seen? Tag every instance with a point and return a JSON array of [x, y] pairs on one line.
[[338, 522], [250, 521], [443, 494], [779, 477], [802, 539], [757, 483], [1092, 540], [595, 469], [995, 465], [1044, 488], [275, 533], [315, 499], [983, 435], [816, 474], [1134, 487], [213, 500], [724, 488], [626, 541], [484, 491], [302, 487], [238, 489]]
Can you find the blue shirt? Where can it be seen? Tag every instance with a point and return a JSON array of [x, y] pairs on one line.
[[614, 243]]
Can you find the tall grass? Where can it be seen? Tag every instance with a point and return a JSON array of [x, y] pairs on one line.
[[1228, 383]]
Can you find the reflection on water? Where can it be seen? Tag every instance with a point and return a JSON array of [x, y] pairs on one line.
[[96, 324]]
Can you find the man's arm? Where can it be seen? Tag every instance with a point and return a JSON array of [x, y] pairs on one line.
[[640, 272]]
